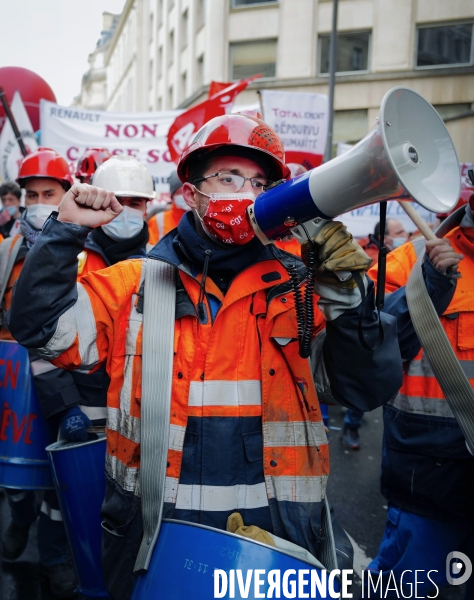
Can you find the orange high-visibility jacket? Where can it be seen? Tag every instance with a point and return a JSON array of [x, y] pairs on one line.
[[217, 372], [162, 223], [87, 261], [420, 393]]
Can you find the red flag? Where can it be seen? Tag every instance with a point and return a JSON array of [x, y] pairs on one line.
[[192, 120], [217, 86]]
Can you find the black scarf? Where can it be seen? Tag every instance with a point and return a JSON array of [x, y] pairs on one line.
[[223, 263], [117, 251]]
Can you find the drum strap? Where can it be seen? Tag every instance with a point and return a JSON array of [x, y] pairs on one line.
[[440, 354], [157, 370], [8, 253]]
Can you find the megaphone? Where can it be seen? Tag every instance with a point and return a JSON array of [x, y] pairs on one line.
[[408, 154]]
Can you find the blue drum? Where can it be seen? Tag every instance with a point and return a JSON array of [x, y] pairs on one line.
[[187, 556], [24, 435], [79, 479]]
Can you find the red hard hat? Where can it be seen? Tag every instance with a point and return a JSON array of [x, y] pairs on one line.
[[46, 163], [464, 198], [90, 160], [236, 131]]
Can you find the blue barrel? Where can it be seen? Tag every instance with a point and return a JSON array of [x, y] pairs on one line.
[[24, 434], [186, 556], [79, 478]]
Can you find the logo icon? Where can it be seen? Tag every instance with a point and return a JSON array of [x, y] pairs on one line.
[[458, 568]]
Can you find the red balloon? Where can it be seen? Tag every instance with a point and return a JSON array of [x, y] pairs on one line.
[[32, 88]]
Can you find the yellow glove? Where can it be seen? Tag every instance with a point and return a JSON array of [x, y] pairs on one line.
[[336, 250], [235, 524]]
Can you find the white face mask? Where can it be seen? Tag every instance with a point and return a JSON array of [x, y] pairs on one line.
[[37, 214], [180, 202], [398, 241], [128, 224], [11, 209]]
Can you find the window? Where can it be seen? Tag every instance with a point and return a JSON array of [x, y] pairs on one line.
[[159, 65], [171, 48], [352, 52], [150, 74], [252, 58], [236, 3], [150, 28], [445, 45], [201, 12], [170, 97], [160, 103], [184, 29], [184, 81], [200, 71], [159, 13]]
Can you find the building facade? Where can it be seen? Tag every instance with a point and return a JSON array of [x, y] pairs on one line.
[[93, 92], [164, 53]]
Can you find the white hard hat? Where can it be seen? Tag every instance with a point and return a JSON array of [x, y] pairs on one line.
[[125, 176]]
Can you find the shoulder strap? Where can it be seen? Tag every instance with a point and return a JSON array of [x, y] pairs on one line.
[[9, 249], [157, 369], [437, 347]]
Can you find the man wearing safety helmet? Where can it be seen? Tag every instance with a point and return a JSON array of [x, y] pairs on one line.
[[89, 162], [45, 175], [162, 223], [246, 433], [127, 235]]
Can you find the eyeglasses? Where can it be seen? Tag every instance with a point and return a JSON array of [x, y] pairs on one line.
[[234, 183]]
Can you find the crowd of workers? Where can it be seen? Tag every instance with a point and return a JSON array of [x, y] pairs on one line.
[[246, 431]]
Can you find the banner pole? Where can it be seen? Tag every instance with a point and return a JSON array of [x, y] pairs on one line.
[[11, 118], [332, 79]]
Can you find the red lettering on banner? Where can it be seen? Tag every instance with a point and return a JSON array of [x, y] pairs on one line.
[[147, 129], [117, 151], [6, 415], [18, 430], [167, 156], [69, 151], [132, 152], [153, 156], [110, 129], [10, 375], [133, 128], [29, 428]]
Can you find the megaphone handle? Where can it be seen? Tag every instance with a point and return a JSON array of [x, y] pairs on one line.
[[415, 217]]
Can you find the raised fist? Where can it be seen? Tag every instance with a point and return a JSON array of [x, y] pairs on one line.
[[89, 206]]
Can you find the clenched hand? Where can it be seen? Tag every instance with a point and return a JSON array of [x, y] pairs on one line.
[[88, 206]]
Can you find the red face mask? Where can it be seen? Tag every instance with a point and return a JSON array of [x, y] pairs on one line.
[[226, 219]]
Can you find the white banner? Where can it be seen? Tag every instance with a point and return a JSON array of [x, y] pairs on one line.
[[301, 121], [71, 131], [10, 153], [361, 221]]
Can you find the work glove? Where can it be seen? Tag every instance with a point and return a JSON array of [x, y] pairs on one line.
[[336, 250], [235, 524], [74, 424]]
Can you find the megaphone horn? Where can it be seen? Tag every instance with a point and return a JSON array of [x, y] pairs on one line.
[[408, 153]]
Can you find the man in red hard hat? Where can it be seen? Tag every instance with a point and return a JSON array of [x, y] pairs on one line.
[[247, 442], [45, 176], [89, 162]]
